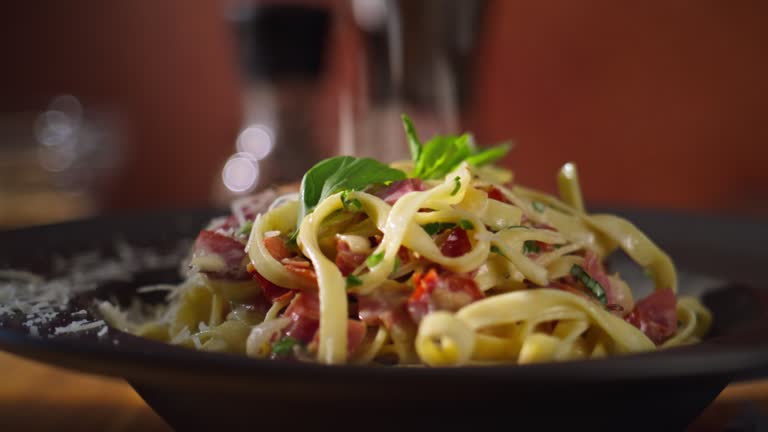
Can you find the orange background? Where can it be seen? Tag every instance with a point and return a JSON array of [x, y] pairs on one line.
[[662, 104]]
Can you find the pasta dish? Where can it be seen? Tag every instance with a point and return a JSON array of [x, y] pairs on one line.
[[441, 260]]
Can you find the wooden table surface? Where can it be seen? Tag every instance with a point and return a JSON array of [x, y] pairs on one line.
[[37, 397]]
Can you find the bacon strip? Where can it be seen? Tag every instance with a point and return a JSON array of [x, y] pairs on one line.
[[230, 251], [346, 260], [656, 315], [396, 190]]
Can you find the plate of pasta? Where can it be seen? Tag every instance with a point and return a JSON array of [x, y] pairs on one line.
[[438, 279]]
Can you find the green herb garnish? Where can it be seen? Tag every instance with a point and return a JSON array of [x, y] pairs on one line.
[[352, 205], [433, 228], [597, 290], [413, 139], [495, 249], [284, 346], [531, 246], [442, 154], [353, 280], [467, 225], [490, 155], [457, 187], [538, 206], [397, 264], [245, 230], [517, 226], [341, 173], [374, 259]]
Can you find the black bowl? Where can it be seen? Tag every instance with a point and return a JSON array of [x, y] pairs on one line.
[[720, 261]]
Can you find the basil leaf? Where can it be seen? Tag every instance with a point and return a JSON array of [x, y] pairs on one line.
[[433, 228], [597, 290], [339, 173], [374, 259], [442, 155], [495, 249], [538, 206], [413, 139], [284, 346], [490, 155]]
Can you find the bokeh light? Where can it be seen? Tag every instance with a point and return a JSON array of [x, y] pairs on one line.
[[256, 140], [241, 173]]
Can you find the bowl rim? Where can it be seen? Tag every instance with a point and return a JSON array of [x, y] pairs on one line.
[[725, 356]]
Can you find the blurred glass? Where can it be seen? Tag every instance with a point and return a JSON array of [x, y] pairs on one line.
[[52, 162], [281, 49], [416, 57], [333, 77]]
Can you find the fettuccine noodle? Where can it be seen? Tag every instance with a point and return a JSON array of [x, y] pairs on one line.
[[467, 269]]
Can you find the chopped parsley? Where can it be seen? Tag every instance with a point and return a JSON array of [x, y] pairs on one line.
[[531, 247], [597, 290], [353, 205], [495, 249], [245, 230], [467, 225], [284, 346], [374, 259], [353, 280], [433, 228], [457, 187], [538, 206]]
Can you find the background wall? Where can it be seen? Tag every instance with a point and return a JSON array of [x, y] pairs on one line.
[[662, 104]]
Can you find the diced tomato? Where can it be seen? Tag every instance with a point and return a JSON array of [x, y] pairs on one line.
[[346, 260], [229, 250], [396, 190], [277, 248], [495, 193], [446, 291], [453, 242], [656, 315]]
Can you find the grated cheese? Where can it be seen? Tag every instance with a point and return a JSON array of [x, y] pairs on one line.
[[78, 326], [103, 332], [41, 300]]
